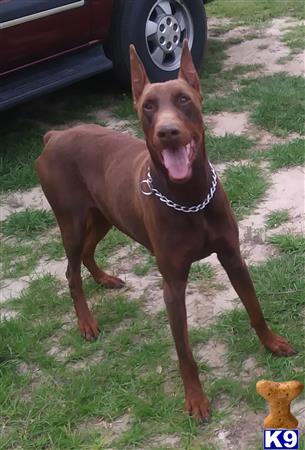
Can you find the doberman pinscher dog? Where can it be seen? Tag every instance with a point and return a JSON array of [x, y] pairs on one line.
[[163, 193]]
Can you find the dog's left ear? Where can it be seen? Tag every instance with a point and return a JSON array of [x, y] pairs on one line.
[[138, 75], [187, 70]]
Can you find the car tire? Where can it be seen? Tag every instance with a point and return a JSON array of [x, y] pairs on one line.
[[157, 29]]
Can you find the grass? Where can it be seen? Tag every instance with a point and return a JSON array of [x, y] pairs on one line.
[[106, 390], [213, 76], [128, 371], [276, 218], [53, 249], [280, 286], [22, 128], [142, 269], [19, 149], [245, 186], [113, 240], [17, 260], [295, 38], [284, 59], [27, 224], [201, 272], [252, 12], [289, 243], [61, 399], [228, 148], [286, 155], [279, 114]]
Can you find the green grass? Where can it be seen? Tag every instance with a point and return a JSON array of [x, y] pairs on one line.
[[228, 148], [280, 286], [213, 76], [124, 108], [53, 249], [17, 260], [143, 268], [252, 12], [245, 186], [59, 399], [284, 59], [22, 128], [113, 240], [28, 223], [289, 243], [295, 38], [276, 218], [129, 370], [201, 272], [286, 155], [19, 149], [279, 114]]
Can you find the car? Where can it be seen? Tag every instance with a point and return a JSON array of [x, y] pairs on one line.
[[48, 44]]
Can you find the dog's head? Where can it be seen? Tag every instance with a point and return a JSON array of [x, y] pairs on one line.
[[170, 114]]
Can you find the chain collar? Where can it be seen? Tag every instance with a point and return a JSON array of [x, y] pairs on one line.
[[148, 183]]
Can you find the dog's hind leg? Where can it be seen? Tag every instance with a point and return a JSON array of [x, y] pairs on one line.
[[73, 235], [96, 228]]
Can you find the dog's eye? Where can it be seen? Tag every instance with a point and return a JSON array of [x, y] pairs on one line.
[[183, 98], [148, 106]]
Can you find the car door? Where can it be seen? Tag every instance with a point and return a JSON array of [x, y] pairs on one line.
[[31, 30]]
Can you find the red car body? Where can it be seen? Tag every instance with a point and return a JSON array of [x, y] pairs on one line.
[[48, 44], [85, 24]]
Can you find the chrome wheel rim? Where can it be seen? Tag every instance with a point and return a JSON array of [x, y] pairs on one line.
[[168, 24]]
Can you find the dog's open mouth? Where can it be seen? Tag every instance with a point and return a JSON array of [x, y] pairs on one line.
[[178, 161]]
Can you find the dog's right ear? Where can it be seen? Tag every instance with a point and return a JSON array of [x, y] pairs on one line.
[[138, 75]]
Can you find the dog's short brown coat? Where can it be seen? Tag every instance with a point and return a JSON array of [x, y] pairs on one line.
[[92, 177]]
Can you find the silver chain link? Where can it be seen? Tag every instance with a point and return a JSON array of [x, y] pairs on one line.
[[191, 209]]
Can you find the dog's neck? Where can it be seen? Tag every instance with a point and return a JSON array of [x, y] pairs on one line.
[[191, 192]]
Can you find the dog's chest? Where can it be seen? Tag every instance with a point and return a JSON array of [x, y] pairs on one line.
[[192, 236]]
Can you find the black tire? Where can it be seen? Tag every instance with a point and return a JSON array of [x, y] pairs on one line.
[[128, 26]]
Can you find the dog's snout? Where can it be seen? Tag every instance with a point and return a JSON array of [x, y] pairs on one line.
[[168, 131]]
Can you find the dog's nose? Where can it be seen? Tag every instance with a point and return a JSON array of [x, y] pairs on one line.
[[168, 132]]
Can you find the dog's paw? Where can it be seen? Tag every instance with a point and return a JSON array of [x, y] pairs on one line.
[[198, 407], [89, 329], [110, 281], [279, 346]]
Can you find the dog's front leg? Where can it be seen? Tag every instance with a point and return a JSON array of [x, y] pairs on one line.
[[237, 271], [196, 403]]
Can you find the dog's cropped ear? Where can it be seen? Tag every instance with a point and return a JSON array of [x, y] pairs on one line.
[[187, 70], [138, 75]]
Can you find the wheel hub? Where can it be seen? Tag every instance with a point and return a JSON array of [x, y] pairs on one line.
[[168, 33]]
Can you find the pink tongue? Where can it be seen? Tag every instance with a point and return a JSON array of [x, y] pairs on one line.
[[177, 162]]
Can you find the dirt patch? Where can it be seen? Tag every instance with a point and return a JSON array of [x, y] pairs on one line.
[[250, 370], [114, 123], [217, 21], [240, 124], [164, 441], [109, 430], [20, 200], [12, 288], [286, 192], [228, 123], [58, 353], [243, 426], [213, 353], [25, 368], [266, 50], [86, 363], [7, 314]]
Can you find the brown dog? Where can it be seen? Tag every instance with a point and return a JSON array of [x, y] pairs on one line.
[[95, 178]]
